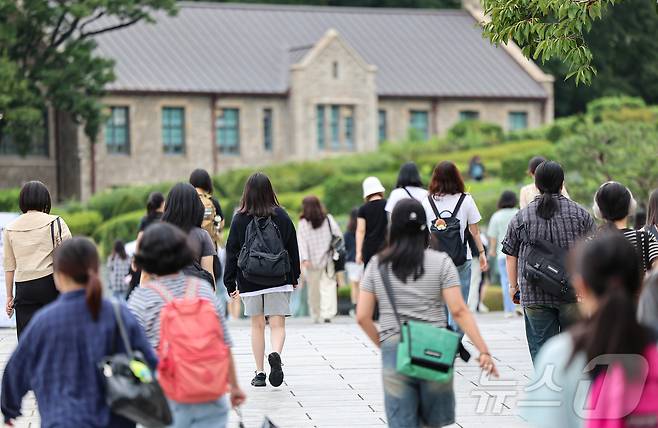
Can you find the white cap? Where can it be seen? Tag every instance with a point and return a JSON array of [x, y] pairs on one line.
[[372, 185]]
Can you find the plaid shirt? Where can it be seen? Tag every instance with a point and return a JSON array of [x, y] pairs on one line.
[[314, 243], [569, 224], [118, 269]]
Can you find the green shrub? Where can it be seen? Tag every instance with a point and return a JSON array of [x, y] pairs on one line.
[[473, 133], [83, 223], [514, 168], [598, 107], [344, 192], [292, 201], [9, 200], [113, 202], [124, 227], [486, 194]]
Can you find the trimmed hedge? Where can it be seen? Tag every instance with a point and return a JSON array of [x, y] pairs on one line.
[[113, 202], [473, 133], [83, 223], [9, 200], [124, 227]]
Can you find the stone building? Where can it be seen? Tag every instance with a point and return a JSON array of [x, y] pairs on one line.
[[224, 85]]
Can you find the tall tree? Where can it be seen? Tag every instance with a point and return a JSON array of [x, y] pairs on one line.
[[47, 59]]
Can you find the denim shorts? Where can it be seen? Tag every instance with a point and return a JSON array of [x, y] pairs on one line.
[[412, 403], [200, 415]]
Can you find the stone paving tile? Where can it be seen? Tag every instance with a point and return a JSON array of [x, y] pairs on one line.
[[333, 378]]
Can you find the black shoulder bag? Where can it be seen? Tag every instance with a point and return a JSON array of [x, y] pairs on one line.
[[337, 250], [131, 390]]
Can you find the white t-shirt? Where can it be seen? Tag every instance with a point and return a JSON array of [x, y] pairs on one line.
[[397, 195], [468, 213]]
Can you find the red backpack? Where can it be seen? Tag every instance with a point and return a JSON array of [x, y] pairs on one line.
[[194, 361]]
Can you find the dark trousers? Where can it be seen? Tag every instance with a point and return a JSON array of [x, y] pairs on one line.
[[30, 297], [545, 321]]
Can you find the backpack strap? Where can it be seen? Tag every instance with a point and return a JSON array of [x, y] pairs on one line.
[[642, 244], [58, 220], [408, 192], [433, 205], [459, 205], [191, 289], [163, 292]]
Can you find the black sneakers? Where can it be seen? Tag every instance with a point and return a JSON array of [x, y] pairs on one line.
[[276, 372], [258, 380]]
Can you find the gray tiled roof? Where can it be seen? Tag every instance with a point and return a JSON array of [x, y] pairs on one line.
[[229, 48]]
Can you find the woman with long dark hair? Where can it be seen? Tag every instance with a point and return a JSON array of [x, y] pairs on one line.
[[184, 209], [154, 210], [614, 203], [314, 235], [423, 282], [353, 270], [29, 243], [446, 190], [58, 355], [554, 218], [608, 277], [409, 185], [118, 267], [263, 298]]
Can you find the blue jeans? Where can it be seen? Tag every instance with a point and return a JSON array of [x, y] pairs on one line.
[[508, 305], [464, 272], [120, 295], [200, 415], [412, 403], [545, 321]]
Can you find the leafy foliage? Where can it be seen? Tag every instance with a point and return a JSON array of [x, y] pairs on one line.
[[467, 134], [124, 227], [546, 29], [9, 200], [83, 223], [47, 59]]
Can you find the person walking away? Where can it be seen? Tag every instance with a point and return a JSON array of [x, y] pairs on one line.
[[154, 210], [447, 200], [315, 235], [185, 339], [422, 282], [496, 231], [118, 267], [547, 228], [409, 185], [261, 228], [58, 355], [529, 192], [372, 221], [353, 270], [28, 254], [614, 203], [213, 217], [185, 210], [609, 349], [476, 168], [652, 215]]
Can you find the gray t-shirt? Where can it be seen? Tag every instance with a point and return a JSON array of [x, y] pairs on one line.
[[418, 300], [201, 243]]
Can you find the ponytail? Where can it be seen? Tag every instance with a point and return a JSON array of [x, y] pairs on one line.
[[547, 206], [94, 294]]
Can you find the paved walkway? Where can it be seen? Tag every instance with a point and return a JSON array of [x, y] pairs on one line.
[[333, 378]]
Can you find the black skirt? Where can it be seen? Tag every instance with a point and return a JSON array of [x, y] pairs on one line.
[[32, 296]]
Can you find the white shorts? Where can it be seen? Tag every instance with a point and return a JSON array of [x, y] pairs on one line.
[[354, 271]]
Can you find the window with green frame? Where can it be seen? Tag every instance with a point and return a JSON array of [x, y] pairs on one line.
[[267, 129], [419, 121], [117, 131], [320, 120], [383, 134], [228, 131], [469, 115], [173, 130], [518, 120], [348, 126], [335, 127]]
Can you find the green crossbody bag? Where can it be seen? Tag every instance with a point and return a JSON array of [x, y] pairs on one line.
[[425, 351]]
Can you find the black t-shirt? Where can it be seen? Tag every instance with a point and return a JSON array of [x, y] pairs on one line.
[[376, 224], [147, 220]]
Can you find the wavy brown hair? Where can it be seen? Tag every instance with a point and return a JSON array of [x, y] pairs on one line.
[[313, 211], [446, 180]]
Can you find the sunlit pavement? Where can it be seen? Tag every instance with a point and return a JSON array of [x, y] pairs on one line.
[[332, 378]]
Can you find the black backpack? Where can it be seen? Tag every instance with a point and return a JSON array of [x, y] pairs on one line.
[[546, 268], [263, 258], [446, 234]]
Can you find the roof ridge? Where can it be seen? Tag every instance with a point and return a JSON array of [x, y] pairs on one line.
[[315, 8]]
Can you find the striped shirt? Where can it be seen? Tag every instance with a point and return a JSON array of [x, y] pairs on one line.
[[567, 226], [146, 304], [651, 244], [419, 300]]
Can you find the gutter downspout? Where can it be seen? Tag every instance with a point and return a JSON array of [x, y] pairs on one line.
[[92, 156], [435, 118], [56, 156]]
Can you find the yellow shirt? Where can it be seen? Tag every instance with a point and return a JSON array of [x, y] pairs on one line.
[[530, 192], [28, 245]]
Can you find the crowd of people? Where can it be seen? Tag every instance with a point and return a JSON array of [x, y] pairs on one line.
[[413, 262]]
